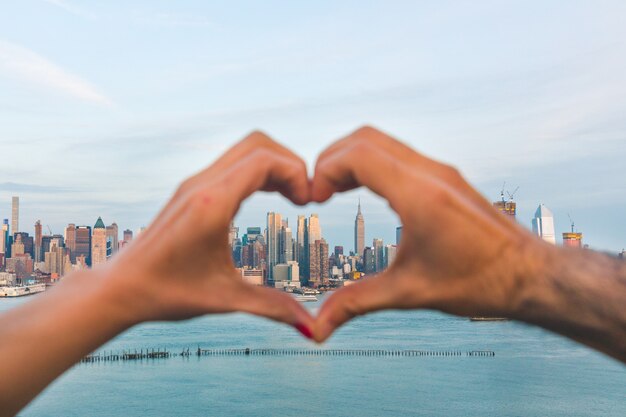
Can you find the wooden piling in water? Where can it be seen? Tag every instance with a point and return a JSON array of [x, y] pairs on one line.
[[152, 353]]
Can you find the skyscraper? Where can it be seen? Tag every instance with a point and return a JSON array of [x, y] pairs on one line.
[[27, 241], [233, 234], [253, 234], [253, 254], [46, 241], [505, 206], [82, 244], [314, 229], [318, 262], [286, 245], [312, 233], [300, 254], [128, 237], [18, 246], [390, 254], [543, 224], [112, 237], [398, 235], [98, 243], [56, 259], [70, 241], [573, 239], [369, 260], [38, 234], [379, 254], [274, 225], [359, 232], [15, 215], [4, 237]]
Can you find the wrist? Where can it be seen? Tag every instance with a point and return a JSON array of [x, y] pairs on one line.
[[534, 279], [98, 288]]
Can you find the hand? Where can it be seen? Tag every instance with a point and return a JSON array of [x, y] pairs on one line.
[[181, 266], [457, 254]]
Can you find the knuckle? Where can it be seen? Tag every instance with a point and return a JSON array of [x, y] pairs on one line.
[[440, 195], [203, 206], [183, 188], [452, 174], [366, 131], [258, 138], [262, 155], [197, 203], [436, 196], [321, 166], [295, 170], [263, 158], [361, 149]]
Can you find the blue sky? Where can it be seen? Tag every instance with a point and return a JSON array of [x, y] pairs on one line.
[[106, 106]]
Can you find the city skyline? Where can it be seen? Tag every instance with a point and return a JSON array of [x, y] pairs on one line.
[[273, 255], [535, 226]]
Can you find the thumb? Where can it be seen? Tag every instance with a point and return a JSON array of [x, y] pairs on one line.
[[275, 305], [371, 294]]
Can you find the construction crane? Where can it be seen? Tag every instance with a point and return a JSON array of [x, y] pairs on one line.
[[502, 192], [49, 230], [571, 222], [511, 195]]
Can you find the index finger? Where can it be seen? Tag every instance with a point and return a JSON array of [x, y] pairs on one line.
[[359, 163]]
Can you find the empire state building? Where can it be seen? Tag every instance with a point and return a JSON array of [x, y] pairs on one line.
[[359, 232]]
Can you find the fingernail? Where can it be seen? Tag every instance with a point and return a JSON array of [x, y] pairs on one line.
[[306, 332]]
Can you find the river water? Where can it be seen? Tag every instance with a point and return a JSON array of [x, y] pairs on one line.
[[533, 372]]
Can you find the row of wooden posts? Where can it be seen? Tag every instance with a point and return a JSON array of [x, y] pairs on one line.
[[133, 355]]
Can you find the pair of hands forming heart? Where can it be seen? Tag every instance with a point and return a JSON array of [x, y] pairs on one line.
[[458, 254]]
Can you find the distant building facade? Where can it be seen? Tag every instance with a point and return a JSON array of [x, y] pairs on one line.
[[573, 239], [38, 235], [543, 224], [15, 214], [98, 243], [274, 224], [359, 232], [112, 239], [83, 244]]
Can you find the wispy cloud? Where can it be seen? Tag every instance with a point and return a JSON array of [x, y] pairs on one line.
[[32, 188], [70, 8], [175, 19], [24, 64]]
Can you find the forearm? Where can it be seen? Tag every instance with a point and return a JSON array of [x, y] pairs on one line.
[[44, 337], [580, 294]]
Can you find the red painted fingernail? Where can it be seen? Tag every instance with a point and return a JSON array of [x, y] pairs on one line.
[[306, 332]]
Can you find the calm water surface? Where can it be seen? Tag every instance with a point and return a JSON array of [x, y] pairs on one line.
[[534, 373]]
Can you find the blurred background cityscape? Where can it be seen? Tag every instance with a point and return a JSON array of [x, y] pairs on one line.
[[277, 254]]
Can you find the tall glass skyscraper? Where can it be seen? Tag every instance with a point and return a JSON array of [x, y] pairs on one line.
[[274, 225], [300, 254], [4, 237], [543, 224], [314, 229]]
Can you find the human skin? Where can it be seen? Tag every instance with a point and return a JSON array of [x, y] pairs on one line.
[[458, 255], [461, 256], [179, 268]]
